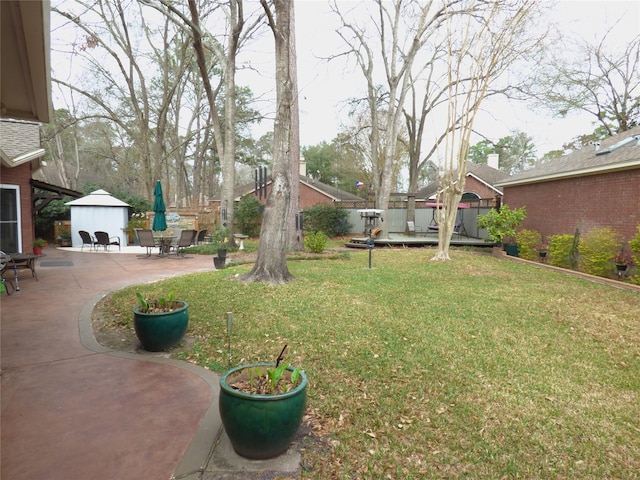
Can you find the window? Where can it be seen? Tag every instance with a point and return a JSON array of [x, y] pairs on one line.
[[10, 231]]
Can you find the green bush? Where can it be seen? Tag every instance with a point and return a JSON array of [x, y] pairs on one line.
[[315, 242], [634, 245], [598, 248], [561, 250], [501, 224], [248, 216], [326, 218], [46, 218], [527, 242]]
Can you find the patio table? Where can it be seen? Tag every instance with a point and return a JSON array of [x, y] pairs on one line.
[[164, 242], [25, 261]]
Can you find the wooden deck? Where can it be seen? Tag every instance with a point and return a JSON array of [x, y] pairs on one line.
[[420, 240]]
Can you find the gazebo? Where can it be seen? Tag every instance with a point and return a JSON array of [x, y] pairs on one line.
[[99, 211]]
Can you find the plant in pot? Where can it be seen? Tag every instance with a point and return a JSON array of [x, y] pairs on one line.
[[261, 406], [220, 238], [38, 245], [64, 235], [161, 323], [501, 226], [137, 220], [542, 250], [622, 262]]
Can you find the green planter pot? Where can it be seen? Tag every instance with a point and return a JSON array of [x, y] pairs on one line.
[[260, 426], [512, 249], [159, 331], [219, 263]]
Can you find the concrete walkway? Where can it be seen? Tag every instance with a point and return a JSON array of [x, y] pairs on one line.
[[74, 409]]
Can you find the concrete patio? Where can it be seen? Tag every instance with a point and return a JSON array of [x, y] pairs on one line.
[[74, 409]]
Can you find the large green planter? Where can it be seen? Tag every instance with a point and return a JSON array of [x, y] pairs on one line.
[[159, 331], [260, 426]]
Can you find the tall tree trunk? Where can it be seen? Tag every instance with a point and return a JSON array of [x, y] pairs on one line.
[[294, 236], [271, 264]]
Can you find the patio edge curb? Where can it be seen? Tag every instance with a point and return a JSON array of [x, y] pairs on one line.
[[197, 455]]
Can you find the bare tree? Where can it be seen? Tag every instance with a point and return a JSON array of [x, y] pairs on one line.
[[224, 53], [60, 139], [271, 264], [598, 79], [402, 28], [481, 45], [126, 88]]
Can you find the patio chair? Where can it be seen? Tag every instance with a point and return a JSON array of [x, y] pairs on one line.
[[87, 239], [186, 239], [200, 236], [6, 265], [413, 229], [457, 229], [145, 239], [103, 238]]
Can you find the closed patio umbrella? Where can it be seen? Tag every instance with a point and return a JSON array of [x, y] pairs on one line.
[[159, 219]]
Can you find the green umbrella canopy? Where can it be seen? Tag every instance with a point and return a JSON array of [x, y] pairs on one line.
[[159, 219]]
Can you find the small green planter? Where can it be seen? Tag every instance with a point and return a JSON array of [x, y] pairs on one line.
[[159, 331], [512, 249], [261, 426]]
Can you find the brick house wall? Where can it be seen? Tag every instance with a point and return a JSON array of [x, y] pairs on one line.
[[18, 138], [473, 185], [310, 197], [559, 206], [21, 176]]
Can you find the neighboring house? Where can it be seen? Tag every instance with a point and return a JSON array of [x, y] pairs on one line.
[[596, 186], [311, 192], [25, 98], [480, 184]]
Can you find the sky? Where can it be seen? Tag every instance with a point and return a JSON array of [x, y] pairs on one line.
[[324, 86]]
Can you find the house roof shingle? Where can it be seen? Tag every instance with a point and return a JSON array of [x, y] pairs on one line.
[[332, 192], [19, 142], [624, 155]]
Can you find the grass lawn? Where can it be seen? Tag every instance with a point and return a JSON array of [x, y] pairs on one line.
[[479, 367]]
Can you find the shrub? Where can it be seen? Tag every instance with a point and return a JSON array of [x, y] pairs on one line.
[[501, 225], [598, 248], [248, 216], [561, 250], [326, 218], [634, 245], [527, 242], [315, 242]]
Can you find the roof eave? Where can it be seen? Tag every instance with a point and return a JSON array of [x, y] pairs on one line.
[[631, 165], [492, 187], [24, 158]]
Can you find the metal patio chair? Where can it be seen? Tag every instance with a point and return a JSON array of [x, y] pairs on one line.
[[103, 238], [87, 239], [145, 239]]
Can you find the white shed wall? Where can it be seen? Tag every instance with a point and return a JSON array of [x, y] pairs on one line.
[[112, 220]]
